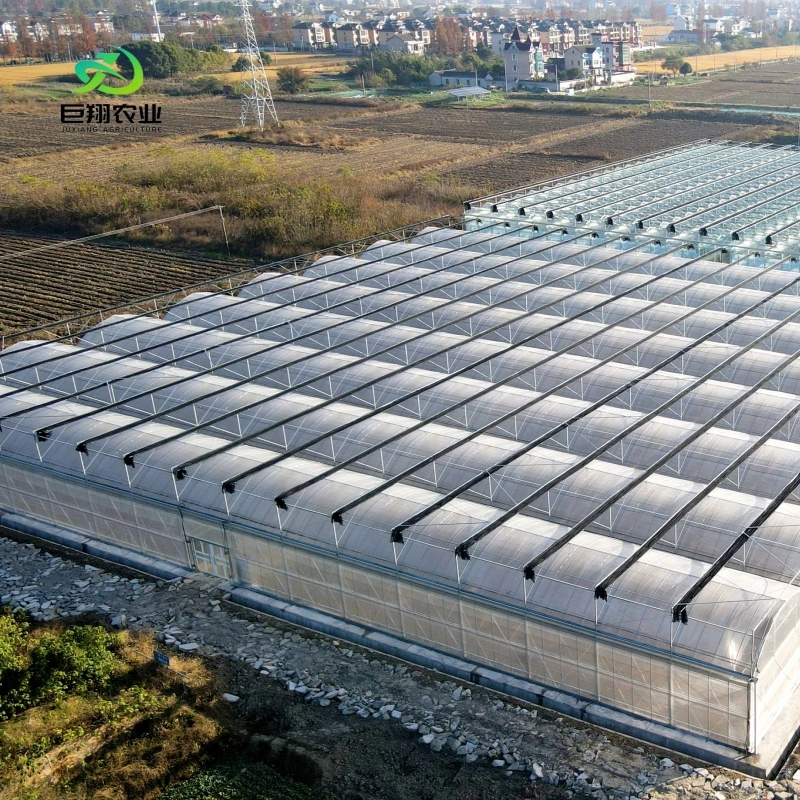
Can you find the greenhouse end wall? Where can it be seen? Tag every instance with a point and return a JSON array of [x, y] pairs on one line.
[[709, 703]]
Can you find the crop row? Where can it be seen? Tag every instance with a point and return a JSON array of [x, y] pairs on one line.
[[41, 287]]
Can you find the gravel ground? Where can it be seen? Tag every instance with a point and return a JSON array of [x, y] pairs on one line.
[[376, 727]]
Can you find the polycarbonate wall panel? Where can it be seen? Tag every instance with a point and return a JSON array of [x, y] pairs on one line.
[[647, 686], [778, 667], [144, 528]]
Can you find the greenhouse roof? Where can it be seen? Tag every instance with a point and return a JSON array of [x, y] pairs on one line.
[[742, 197], [605, 436]]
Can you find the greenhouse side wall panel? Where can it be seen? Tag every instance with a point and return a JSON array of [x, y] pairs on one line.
[[650, 687], [103, 515]]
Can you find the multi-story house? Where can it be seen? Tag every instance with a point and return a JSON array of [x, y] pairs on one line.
[[8, 31], [62, 25], [404, 43], [523, 60], [352, 37], [589, 60], [103, 22], [313, 35]]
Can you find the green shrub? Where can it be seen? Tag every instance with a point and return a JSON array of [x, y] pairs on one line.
[[76, 661], [37, 669], [14, 693], [164, 59]]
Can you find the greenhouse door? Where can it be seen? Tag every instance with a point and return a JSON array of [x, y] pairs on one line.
[[208, 546], [211, 558]]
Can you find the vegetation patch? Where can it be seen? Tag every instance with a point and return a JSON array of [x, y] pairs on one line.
[[86, 713], [242, 781], [298, 135], [271, 212]]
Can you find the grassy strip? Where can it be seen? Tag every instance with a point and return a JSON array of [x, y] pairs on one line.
[[133, 737], [271, 212]]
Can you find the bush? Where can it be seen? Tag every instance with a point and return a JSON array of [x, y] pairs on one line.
[[164, 59], [78, 660], [37, 669], [405, 70], [292, 80], [14, 695]]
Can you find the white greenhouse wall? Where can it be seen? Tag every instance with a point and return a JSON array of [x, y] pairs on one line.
[[705, 702]]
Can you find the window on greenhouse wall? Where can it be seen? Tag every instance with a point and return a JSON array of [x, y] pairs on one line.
[[211, 558]]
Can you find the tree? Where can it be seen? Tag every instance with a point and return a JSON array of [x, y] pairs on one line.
[[574, 73], [282, 29], [448, 37], [672, 64], [686, 68], [292, 80], [164, 59]]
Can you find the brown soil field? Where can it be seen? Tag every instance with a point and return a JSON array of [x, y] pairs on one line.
[[42, 287], [776, 85], [635, 137], [457, 123], [36, 128]]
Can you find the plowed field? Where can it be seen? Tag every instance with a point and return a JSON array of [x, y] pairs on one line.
[[38, 288], [775, 85]]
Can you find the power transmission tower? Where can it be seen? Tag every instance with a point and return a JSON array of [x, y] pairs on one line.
[[256, 96]]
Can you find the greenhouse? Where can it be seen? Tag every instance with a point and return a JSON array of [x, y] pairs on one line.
[[566, 455], [740, 196]]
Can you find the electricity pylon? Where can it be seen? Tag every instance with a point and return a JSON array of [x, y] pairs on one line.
[[257, 96]]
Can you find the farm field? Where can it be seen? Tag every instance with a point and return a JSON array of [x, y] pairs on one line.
[[181, 116], [454, 123], [462, 141], [775, 85], [311, 64], [737, 58], [339, 170], [52, 285], [28, 73], [591, 148], [315, 64]]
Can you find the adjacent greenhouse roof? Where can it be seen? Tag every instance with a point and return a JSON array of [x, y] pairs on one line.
[[468, 91], [600, 433], [714, 194]]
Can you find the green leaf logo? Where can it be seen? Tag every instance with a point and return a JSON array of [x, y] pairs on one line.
[[104, 64]]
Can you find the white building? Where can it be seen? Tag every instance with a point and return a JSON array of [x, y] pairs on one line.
[[8, 31], [589, 60], [453, 79]]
